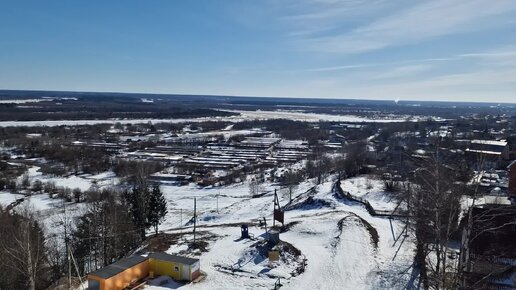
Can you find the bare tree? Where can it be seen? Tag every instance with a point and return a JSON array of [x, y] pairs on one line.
[[291, 179], [433, 200], [255, 186], [25, 246]]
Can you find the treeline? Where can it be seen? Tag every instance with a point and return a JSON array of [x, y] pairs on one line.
[[104, 108], [116, 224], [349, 162], [288, 129]]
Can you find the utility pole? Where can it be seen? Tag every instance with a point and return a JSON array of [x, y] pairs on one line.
[[69, 264], [89, 253], [194, 218], [265, 224], [273, 218], [218, 202], [181, 220], [67, 246], [76, 267]]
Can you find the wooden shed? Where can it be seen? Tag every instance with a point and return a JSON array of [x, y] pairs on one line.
[[119, 275], [178, 267]]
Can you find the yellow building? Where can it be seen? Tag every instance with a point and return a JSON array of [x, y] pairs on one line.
[[177, 267], [133, 269]]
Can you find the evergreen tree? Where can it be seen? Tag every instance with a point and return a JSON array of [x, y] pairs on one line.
[[137, 201], [103, 235], [157, 208]]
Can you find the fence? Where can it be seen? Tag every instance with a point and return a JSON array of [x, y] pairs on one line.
[[339, 192]]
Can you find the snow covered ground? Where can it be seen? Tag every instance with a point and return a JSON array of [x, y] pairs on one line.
[[7, 198], [83, 182], [24, 101], [371, 189], [344, 247], [312, 117], [50, 211], [244, 116]]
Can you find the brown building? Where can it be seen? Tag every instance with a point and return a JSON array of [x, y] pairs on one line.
[[491, 153], [512, 179], [488, 254]]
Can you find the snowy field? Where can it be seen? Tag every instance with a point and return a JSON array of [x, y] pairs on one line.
[[370, 189], [83, 182], [50, 211], [344, 247], [6, 198], [244, 116], [24, 101], [312, 117]]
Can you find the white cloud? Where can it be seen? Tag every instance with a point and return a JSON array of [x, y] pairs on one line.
[[372, 65], [403, 71], [420, 22]]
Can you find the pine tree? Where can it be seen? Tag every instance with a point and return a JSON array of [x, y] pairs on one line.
[[157, 208], [137, 201]]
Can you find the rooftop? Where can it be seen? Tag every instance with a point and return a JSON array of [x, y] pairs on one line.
[[118, 267], [173, 258], [490, 142]]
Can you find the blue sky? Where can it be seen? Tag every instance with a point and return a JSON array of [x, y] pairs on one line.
[[362, 49]]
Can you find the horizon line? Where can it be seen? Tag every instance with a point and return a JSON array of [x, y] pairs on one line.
[[394, 100]]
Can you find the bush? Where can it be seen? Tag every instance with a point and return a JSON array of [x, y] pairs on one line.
[[77, 194], [391, 186], [37, 186]]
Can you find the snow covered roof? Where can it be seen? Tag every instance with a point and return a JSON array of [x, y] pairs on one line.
[[484, 151], [496, 199], [173, 258], [490, 142], [118, 267]]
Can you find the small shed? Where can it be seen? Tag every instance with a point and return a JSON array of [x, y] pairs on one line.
[[245, 231], [119, 275], [178, 267]]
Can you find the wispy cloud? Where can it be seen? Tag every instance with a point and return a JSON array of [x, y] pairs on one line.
[[403, 71], [372, 64], [419, 22], [481, 75]]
